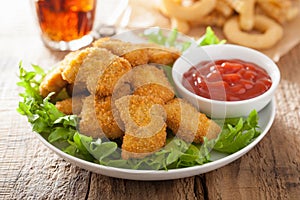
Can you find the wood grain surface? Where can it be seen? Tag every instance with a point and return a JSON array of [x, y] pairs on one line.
[[28, 170]]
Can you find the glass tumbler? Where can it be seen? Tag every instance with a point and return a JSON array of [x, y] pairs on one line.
[[66, 24]]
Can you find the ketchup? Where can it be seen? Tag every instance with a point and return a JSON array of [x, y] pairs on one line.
[[227, 80]]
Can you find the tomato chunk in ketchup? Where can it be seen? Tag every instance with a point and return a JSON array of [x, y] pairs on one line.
[[227, 80]]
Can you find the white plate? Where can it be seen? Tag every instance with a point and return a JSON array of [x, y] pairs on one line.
[[266, 115]]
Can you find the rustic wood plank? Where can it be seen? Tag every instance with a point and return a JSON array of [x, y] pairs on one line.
[[47, 177], [272, 169], [103, 187], [200, 188]]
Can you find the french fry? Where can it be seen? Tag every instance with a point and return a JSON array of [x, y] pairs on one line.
[[223, 7], [247, 15], [281, 12], [214, 19]]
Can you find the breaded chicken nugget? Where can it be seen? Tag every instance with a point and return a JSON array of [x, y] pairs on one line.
[[111, 75], [53, 82], [148, 80], [155, 54], [99, 63], [133, 53], [136, 147], [117, 47], [86, 66], [137, 57], [98, 118], [106, 117], [145, 127], [137, 111], [122, 88], [65, 106], [77, 89], [72, 62], [64, 73], [88, 124], [189, 124], [71, 105], [139, 54], [162, 55]]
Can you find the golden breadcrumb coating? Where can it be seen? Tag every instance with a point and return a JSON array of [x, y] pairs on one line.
[[111, 75], [131, 52], [189, 124], [139, 54], [117, 47], [148, 80], [88, 124], [72, 62], [137, 57], [106, 117], [136, 147], [53, 82], [122, 88], [86, 66], [154, 89], [137, 111], [94, 66], [65, 106], [145, 127], [162, 55], [77, 89], [82, 66], [71, 105]]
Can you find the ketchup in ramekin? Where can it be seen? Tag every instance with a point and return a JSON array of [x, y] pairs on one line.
[[227, 80]]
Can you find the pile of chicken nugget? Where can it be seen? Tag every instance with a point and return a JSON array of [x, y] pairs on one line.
[[120, 91], [252, 23]]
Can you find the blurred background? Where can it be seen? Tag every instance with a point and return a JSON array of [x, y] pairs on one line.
[[18, 23]]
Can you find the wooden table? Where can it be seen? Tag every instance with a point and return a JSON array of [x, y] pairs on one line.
[[28, 170]]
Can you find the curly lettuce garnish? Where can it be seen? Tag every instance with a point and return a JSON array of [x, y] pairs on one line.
[[173, 39], [210, 38], [157, 36], [237, 133]]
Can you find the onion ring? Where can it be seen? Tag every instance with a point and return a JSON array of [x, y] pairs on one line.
[[245, 9], [271, 33], [189, 13], [181, 25]]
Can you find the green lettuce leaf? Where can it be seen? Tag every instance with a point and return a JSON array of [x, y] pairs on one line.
[[171, 39], [237, 133], [45, 118], [210, 38]]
